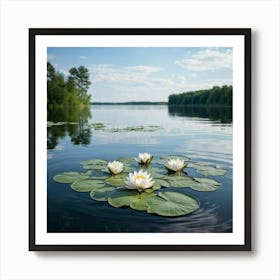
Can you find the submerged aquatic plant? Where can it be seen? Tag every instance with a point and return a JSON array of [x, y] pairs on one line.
[[139, 181], [115, 167]]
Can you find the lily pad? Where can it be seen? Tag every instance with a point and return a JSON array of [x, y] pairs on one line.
[[99, 126], [126, 159], [98, 174], [50, 123], [205, 185], [87, 185], [152, 189], [161, 183], [121, 197], [155, 172], [131, 198], [117, 180], [141, 128], [153, 128], [101, 194], [94, 167], [139, 203], [94, 162], [127, 168], [99, 177], [171, 204], [207, 170], [70, 177], [180, 181]]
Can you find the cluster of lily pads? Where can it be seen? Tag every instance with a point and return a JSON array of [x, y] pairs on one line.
[[144, 183], [142, 128], [104, 127]]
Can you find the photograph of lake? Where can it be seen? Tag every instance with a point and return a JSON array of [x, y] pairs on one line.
[[139, 139]]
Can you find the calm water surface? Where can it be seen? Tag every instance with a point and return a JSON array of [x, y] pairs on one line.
[[203, 134]]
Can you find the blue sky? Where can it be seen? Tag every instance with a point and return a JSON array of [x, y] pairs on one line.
[[120, 74]]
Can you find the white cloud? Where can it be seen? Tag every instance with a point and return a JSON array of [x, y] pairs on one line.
[[83, 57], [144, 82], [50, 56], [131, 74], [210, 59]]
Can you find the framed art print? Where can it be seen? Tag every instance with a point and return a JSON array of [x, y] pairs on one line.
[[140, 139]]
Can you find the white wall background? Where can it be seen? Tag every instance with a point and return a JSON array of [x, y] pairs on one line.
[[16, 262]]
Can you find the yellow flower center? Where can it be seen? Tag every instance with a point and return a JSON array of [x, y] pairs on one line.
[[138, 177]]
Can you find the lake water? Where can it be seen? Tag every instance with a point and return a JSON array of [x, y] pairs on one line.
[[203, 134]]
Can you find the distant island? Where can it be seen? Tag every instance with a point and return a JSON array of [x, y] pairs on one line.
[[130, 103]]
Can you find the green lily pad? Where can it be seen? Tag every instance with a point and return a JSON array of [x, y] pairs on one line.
[[131, 198], [101, 194], [208, 170], [98, 174], [152, 189], [94, 167], [98, 177], [134, 128], [94, 162], [138, 204], [141, 128], [153, 128], [161, 183], [156, 172], [180, 181], [50, 123], [127, 168], [70, 177], [99, 126], [171, 204], [205, 185], [122, 197], [126, 159], [87, 185], [117, 180]]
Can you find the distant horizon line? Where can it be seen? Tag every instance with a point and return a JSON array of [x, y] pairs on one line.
[[126, 102]]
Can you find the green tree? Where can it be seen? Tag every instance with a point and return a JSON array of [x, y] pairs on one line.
[[80, 77], [216, 96], [70, 91], [50, 72]]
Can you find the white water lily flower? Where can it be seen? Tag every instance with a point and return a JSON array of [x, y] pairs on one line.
[[144, 158], [115, 167], [175, 165], [139, 181]]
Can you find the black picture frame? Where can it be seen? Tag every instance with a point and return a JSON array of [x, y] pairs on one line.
[[34, 32]]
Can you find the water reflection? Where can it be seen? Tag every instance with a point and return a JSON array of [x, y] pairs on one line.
[[203, 134], [76, 125], [221, 114], [203, 220]]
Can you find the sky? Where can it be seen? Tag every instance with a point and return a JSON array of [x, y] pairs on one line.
[[121, 74]]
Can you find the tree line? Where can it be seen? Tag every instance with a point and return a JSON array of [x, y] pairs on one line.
[[69, 91], [218, 96]]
